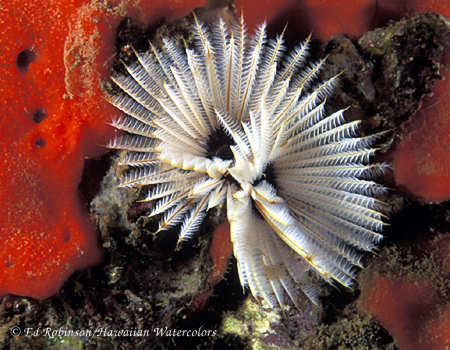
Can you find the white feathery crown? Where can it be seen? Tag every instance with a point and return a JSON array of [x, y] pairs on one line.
[[236, 120]]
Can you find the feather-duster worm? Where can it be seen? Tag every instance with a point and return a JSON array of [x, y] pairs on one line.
[[235, 119]]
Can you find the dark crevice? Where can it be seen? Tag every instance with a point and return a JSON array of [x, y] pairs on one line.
[[268, 175], [228, 296], [24, 58], [66, 236], [39, 142], [39, 115], [218, 145], [93, 172]]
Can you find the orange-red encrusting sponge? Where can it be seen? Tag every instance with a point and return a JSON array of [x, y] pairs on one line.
[[324, 18], [413, 306], [409, 312], [220, 252], [53, 56]]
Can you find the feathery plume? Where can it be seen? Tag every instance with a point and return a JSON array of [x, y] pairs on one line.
[[236, 119]]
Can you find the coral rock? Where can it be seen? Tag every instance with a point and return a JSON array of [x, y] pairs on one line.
[[422, 159]]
